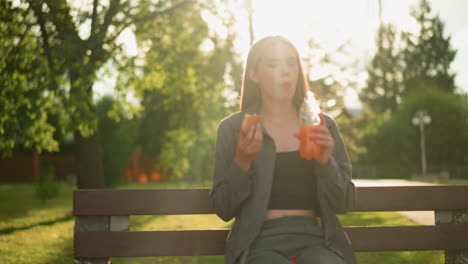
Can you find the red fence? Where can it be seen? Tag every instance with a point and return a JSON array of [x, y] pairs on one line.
[[24, 168], [27, 167], [143, 169]]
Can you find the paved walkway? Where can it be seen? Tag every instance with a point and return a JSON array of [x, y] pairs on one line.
[[421, 217]]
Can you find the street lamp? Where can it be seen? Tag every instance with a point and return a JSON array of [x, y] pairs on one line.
[[420, 119]]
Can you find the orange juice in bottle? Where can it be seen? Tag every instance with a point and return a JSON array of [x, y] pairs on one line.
[[309, 116]]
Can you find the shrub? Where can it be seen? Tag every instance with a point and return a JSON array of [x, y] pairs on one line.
[[48, 187]]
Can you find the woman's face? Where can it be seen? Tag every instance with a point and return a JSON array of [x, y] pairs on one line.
[[277, 72]]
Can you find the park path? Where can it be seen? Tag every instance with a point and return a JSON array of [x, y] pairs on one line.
[[421, 217]]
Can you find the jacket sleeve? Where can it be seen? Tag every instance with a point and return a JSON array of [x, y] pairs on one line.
[[231, 185], [335, 177]]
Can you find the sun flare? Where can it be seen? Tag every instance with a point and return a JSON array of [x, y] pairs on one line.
[[330, 24]]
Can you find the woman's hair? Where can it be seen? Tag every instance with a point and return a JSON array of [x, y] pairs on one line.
[[250, 92]]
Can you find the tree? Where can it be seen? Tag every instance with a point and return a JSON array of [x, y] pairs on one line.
[[328, 76], [428, 55], [25, 101], [404, 61], [385, 87], [352, 131], [118, 136], [76, 41], [182, 85], [396, 141]]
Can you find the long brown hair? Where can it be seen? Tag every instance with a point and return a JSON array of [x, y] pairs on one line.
[[250, 92]]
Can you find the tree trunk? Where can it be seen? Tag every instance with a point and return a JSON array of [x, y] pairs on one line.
[[88, 155]]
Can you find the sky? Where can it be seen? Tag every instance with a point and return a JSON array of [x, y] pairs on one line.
[[334, 22]]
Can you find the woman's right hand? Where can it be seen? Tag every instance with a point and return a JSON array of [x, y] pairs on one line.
[[248, 145]]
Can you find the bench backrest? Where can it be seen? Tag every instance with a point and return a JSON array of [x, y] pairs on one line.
[[101, 228]]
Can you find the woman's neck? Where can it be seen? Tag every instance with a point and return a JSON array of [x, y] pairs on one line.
[[278, 111]]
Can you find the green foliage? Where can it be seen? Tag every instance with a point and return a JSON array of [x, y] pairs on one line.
[[372, 124], [173, 159], [445, 146], [328, 78], [117, 138], [408, 73], [384, 88], [48, 186], [405, 61], [25, 103], [396, 141], [427, 56], [182, 85], [74, 41], [352, 132]]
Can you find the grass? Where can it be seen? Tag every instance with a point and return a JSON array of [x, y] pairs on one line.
[[19, 208], [452, 182], [32, 232]]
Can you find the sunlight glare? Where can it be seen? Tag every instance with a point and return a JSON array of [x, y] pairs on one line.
[[330, 23], [216, 25], [128, 41], [392, 13]]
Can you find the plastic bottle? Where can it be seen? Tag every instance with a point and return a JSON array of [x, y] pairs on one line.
[[309, 115]]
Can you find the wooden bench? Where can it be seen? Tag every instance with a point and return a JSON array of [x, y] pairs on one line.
[[102, 222]]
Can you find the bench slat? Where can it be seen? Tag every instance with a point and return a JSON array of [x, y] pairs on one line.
[[412, 198], [150, 243], [141, 202], [212, 242], [196, 201], [408, 238]]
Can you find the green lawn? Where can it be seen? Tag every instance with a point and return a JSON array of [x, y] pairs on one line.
[[32, 232]]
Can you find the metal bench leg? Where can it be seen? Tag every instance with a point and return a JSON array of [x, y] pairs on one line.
[[92, 223], [454, 256]]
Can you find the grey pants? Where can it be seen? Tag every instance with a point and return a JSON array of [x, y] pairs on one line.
[[293, 236]]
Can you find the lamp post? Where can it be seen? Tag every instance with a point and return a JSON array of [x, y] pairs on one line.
[[421, 119]]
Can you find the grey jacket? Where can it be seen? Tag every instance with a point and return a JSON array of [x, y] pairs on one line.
[[245, 195]]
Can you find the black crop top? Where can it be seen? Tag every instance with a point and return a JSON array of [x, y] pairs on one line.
[[294, 184]]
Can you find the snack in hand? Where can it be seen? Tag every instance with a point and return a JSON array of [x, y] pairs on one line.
[[249, 121]]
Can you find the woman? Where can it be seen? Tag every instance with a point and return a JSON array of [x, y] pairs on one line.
[[284, 205]]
